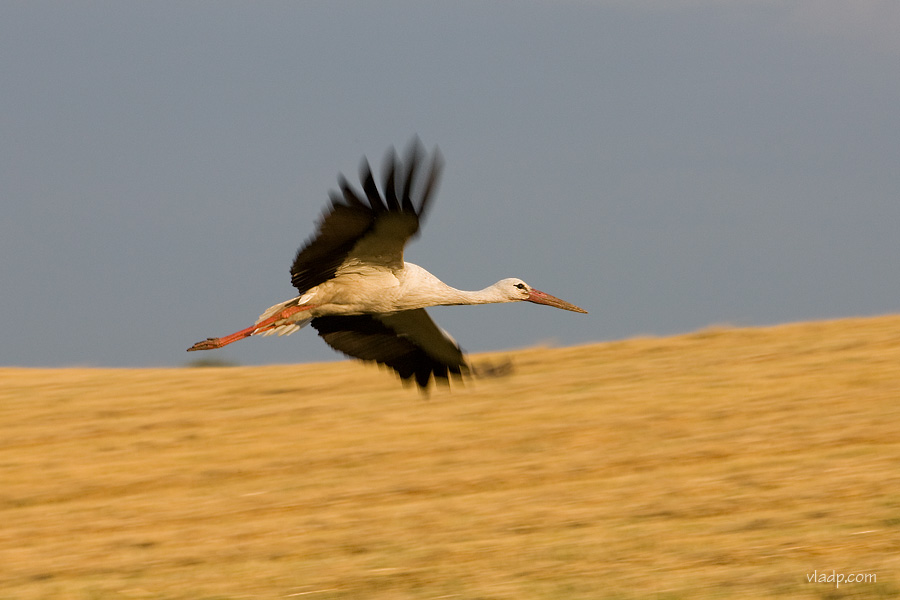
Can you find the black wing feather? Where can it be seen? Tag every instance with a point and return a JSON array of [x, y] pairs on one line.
[[350, 196], [372, 193], [413, 156], [390, 184], [367, 337], [350, 218]]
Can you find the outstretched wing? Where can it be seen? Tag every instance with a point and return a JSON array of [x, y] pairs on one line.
[[407, 341], [369, 227]]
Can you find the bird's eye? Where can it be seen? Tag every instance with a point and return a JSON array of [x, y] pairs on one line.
[[521, 286]]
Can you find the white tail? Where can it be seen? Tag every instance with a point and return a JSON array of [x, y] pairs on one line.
[[286, 326]]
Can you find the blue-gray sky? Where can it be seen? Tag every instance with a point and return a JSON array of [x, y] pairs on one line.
[[667, 165]]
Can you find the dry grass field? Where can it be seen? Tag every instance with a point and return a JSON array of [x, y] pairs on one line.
[[728, 463]]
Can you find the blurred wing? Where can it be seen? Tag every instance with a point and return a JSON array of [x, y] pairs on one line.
[[408, 342], [369, 227]]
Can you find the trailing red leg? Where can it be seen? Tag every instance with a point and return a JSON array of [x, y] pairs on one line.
[[259, 327]]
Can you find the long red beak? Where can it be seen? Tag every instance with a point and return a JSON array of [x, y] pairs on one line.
[[539, 297]]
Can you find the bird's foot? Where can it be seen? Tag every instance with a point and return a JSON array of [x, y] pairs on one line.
[[207, 344]]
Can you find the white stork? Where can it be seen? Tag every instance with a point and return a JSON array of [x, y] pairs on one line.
[[359, 294]]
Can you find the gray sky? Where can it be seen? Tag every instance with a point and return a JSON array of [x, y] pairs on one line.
[[666, 165]]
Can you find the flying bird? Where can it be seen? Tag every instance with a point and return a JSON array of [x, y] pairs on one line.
[[356, 290]]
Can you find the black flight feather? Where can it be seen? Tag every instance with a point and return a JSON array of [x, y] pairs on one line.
[[352, 215], [367, 337]]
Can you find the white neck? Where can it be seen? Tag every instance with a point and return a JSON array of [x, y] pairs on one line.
[[489, 295], [427, 290]]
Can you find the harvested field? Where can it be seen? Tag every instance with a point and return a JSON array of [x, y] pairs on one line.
[[728, 463]]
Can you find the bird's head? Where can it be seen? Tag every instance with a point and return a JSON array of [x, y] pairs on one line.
[[515, 290]]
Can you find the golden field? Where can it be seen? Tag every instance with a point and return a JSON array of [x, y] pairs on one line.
[[728, 463]]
